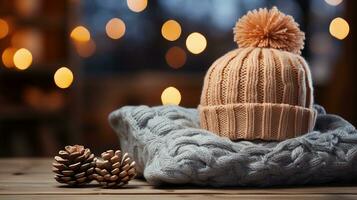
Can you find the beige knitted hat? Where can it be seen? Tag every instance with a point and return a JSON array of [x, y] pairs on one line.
[[263, 89]]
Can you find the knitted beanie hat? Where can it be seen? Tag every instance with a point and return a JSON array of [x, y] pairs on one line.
[[263, 89]]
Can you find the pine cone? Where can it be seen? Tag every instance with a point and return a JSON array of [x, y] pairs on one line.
[[74, 165], [114, 169]]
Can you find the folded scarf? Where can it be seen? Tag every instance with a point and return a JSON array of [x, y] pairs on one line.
[[169, 147]]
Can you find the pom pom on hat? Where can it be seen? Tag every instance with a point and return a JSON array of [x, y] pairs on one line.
[[269, 29]]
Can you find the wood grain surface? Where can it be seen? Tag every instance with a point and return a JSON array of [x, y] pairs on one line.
[[33, 179]]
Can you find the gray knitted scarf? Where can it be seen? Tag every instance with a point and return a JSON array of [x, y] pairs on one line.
[[169, 147]]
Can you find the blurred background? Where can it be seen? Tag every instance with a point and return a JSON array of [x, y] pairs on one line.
[[65, 65]]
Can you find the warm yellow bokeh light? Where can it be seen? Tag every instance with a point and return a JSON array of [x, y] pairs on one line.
[[80, 34], [31, 39], [7, 57], [339, 28], [171, 30], [4, 28], [175, 57], [85, 49], [171, 96], [63, 77], [115, 28], [22, 59], [137, 5], [333, 2], [196, 43]]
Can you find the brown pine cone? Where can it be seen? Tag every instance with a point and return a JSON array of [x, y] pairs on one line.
[[114, 169], [74, 165]]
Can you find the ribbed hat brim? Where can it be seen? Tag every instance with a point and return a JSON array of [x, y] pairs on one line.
[[267, 121]]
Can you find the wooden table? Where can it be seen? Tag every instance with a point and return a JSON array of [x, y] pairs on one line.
[[33, 179]]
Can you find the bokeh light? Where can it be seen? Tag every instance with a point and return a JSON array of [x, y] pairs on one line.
[[80, 34], [333, 2], [31, 39], [4, 28], [175, 57], [339, 28], [196, 43], [43, 100], [171, 30], [171, 96], [22, 59], [137, 5], [115, 28], [28, 8], [7, 57], [63, 77], [33, 97], [85, 49]]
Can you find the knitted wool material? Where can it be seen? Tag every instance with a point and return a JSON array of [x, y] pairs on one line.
[[260, 91], [168, 147]]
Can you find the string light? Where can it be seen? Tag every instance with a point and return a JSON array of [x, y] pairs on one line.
[[171, 96], [137, 5], [80, 34], [4, 28], [196, 43], [175, 57], [63, 77], [85, 49], [333, 2], [115, 28], [7, 57], [22, 59], [171, 30], [339, 28]]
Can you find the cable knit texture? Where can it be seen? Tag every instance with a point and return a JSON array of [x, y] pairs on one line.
[[262, 90], [169, 147]]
